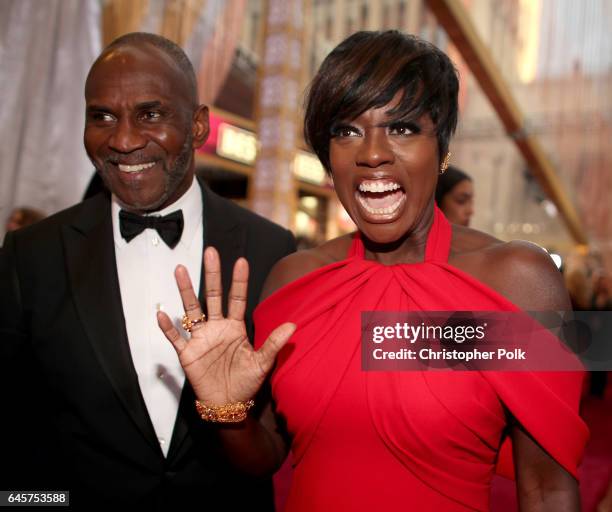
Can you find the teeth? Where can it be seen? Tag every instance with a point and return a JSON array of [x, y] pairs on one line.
[[381, 211], [378, 186], [135, 168]]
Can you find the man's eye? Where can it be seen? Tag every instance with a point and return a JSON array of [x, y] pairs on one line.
[[151, 115], [103, 117]]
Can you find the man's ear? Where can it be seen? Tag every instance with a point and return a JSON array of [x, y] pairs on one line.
[[200, 126]]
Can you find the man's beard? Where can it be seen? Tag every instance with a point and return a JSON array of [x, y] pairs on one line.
[[174, 177]]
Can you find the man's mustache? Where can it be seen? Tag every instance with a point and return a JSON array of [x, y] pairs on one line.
[[135, 158]]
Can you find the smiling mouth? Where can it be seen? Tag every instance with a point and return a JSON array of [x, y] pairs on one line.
[[381, 198], [135, 168]]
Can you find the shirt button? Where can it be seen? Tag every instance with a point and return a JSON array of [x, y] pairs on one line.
[[159, 306], [161, 374], [162, 441], [155, 241]]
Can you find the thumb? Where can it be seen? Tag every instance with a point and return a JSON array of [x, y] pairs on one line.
[[271, 347]]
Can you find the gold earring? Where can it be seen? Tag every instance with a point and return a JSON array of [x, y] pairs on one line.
[[445, 162]]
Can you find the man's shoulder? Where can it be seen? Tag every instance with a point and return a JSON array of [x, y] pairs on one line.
[[229, 211], [253, 219]]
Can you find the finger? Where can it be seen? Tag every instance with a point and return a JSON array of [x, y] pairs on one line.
[[212, 278], [266, 355], [238, 291], [191, 304], [167, 327]]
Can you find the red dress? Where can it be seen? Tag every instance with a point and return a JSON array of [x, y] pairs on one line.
[[385, 441]]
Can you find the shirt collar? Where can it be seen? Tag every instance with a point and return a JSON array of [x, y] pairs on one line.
[[190, 202]]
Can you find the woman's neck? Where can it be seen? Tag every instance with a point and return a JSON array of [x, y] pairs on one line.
[[410, 248]]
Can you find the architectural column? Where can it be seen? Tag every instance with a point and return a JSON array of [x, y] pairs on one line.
[[273, 188]]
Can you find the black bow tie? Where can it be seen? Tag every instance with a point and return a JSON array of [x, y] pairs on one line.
[[169, 227]]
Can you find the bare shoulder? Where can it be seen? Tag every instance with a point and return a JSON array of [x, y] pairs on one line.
[[468, 240], [303, 262], [521, 271]]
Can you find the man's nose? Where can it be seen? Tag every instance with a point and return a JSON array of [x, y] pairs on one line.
[[126, 137], [374, 149]]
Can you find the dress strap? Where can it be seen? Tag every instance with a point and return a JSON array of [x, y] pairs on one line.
[[438, 240], [356, 249]]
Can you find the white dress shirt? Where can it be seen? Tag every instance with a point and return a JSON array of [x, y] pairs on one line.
[[145, 267]]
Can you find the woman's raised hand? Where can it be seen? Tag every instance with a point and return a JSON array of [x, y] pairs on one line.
[[219, 362]]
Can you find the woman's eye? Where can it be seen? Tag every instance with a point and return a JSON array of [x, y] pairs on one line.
[[345, 131], [401, 129]]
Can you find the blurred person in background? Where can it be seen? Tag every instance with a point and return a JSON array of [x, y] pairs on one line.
[[578, 277], [21, 217], [455, 196], [601, 301], [602, 291], [590, 289]]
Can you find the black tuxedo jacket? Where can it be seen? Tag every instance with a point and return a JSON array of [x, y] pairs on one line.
[[73, 415]]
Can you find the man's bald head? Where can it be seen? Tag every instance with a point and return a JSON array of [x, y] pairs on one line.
[[174, 52]]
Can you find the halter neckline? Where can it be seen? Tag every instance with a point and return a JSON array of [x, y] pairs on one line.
[[437, 247]]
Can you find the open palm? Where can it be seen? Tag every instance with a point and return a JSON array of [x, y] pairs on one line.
[[219, 361]]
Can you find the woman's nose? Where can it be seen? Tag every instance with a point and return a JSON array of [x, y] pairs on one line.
[[374, 149]]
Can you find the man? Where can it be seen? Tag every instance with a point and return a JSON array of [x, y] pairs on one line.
[[94, 399]]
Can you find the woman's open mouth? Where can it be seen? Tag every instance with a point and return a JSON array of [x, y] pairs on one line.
[[380, 199]]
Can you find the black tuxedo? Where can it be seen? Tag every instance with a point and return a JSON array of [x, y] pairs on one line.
[[73, 414]]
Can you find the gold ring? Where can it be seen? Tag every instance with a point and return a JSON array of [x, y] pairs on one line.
[[188, 323]]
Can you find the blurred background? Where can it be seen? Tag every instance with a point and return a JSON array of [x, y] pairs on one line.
[[535, 127], [535, 130]]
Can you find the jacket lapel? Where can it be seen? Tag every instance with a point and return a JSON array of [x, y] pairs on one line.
[[92, 271], [224, 232]]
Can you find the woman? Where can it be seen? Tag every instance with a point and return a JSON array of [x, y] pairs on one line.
[[380, 114], [455, 196]]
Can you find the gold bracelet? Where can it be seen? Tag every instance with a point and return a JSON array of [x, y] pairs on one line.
[[227, 413]]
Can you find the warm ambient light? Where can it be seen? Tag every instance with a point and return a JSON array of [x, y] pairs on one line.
[[308, 168], [529, 35], [236, 144]]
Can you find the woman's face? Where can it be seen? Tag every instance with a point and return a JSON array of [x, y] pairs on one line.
[[384, 173], [458, 203]]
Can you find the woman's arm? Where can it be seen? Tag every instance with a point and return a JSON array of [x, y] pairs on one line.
[[222, 366], [531, 280], [257, 446], [542, 484]]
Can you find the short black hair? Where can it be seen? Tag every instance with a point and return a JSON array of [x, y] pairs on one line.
[[448, 181], [366, 70], [170, 48]]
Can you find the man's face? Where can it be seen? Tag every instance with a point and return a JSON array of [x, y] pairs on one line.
[[142, 127]]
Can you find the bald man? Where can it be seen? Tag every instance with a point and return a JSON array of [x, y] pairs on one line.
[[94, 398]]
